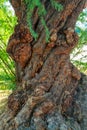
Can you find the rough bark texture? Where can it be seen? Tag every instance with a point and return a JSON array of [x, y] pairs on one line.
[[48, 93]]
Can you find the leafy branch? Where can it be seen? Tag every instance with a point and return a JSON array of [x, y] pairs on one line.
[[31, 5]]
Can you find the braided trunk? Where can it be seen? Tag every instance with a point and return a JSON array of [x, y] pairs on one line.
[[46, 79]]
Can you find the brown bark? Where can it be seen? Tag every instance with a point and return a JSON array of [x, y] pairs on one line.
[[46, 78]]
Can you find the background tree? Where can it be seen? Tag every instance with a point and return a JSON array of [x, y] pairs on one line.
[[7, 23], [46, 78], [79, 55]]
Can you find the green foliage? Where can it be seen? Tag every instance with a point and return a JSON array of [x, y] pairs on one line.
[[78, 52], [56, 5], [6, 82], [7, 23], [31, 5], [81, 28]]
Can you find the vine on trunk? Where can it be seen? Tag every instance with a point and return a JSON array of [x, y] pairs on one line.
[[31, 5]]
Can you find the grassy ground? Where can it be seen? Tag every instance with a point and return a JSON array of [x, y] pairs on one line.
[[3, 99]]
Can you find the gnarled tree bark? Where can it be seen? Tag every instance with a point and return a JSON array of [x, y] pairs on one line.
[[47, 80]]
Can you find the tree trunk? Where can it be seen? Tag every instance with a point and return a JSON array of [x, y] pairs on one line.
[[46, 79]]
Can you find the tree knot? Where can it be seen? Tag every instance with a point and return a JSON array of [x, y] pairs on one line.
[[19, 47]]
